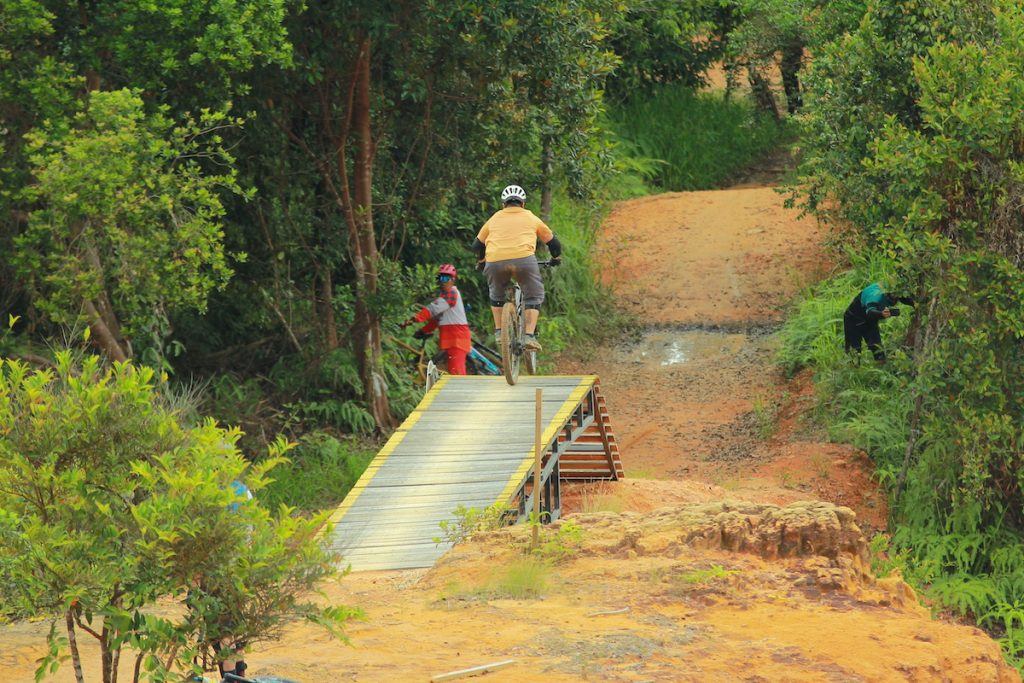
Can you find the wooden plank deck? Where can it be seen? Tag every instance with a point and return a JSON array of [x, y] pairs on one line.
[[469, 442]]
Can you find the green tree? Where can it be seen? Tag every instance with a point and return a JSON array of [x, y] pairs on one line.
[[109, 505], [185, 54], [761, 34], [915, 150], [559, 57], [390, 133], [179, 57], [857, 83], [662, 42], [125, 224], [955, 183]]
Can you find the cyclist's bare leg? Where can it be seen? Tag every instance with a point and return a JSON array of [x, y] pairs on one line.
[[532, 315], [496, 312]]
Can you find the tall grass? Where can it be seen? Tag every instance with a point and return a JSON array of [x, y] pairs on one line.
[[860, 401], [701, 139], [520, 578], [321, 471], [578, 308]]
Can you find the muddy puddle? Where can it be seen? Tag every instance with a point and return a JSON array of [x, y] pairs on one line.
[[668, 348]]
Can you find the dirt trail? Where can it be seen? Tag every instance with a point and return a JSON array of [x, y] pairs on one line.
[[695, 395], [670, 583]]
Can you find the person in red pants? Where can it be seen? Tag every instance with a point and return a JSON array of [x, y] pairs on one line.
[[447, 313]]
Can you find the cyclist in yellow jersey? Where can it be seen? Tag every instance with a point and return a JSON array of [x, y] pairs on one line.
[[506, 246]]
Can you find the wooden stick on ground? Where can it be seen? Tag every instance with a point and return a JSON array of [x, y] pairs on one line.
[[476, 670]]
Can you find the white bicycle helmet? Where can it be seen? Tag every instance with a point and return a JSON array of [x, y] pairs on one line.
[[513, 192]]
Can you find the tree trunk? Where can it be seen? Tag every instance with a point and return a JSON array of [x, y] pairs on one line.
[[104, 337], [921, 343], [726, 23], [327, 302], [76, 657], [106, 656], [137, 670], [763, 94], [731, 79], [914, 329], [354, 198], [102, 320], [790, 64], [363, 245]]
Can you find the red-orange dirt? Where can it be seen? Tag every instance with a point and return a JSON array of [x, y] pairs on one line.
[[696, 395], [668, 582]]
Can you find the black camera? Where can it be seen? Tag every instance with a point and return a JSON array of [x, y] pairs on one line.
[[894, 311]]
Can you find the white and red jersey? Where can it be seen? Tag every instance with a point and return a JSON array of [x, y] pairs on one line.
[[447, 313]]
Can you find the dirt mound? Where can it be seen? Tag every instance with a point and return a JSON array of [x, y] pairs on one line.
[[682, 593], [723, 591], [822, 532], [638, 495], [801, 529]]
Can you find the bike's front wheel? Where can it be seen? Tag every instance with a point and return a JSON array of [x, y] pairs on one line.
[[433, 375], [530, 361], [511, 339]]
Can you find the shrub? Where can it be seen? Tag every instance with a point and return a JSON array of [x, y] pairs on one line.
[[108, 504]]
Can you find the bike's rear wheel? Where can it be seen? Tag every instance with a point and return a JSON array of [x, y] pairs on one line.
[[511, 340]]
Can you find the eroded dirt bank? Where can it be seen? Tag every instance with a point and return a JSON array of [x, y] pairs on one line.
[[707, 563]]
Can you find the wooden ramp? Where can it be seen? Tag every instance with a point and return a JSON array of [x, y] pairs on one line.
[[470, 442]]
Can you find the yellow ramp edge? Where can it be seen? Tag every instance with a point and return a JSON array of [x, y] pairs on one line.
[[388, 448]]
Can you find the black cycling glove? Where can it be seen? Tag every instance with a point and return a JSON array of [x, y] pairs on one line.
[[480, 249]]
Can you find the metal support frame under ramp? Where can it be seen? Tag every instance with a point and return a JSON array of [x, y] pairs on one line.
[[470, 442]]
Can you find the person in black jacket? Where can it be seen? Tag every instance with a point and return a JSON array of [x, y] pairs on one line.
[[860, 322]]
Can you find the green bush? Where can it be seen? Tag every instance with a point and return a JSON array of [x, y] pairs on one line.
[[109, 505], [578, 306], [913, 140], [956, 554]]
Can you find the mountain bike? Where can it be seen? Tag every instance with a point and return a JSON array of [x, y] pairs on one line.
[[481, 360], [235, 678], [512, 352], [232, 678]]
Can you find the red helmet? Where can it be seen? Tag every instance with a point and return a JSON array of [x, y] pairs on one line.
[[447, 269]]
